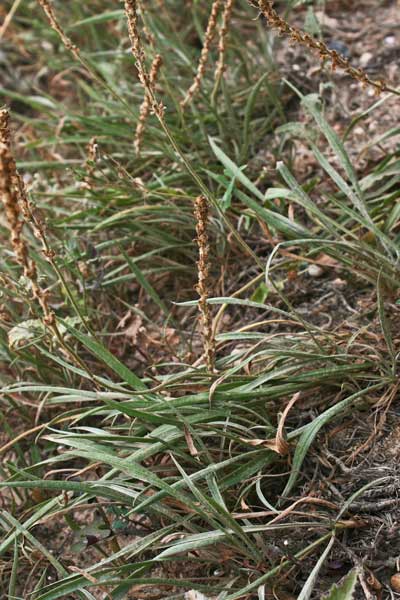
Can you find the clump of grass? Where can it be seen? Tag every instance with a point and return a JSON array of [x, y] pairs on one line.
[[184, 494]]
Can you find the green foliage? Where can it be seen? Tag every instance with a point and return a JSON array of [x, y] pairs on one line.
[[119, 420], [345, 589]]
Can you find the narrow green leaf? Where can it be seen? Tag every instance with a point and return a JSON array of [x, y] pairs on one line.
[[146, 284], [345, 589], [235, 171], [12, 586], [385, 326], [101, 18], [289, 228], [312, 103], [309, 585], [248, 111], [309, 433], [106, 357]]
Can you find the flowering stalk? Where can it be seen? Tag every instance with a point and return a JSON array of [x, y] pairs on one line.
[[223, 32], [14, 197], [9, 194], [302, 38], [50, 14], [146, 104], [91, 157], [201, 68], [203, 269], [158, 110], [18, 210]]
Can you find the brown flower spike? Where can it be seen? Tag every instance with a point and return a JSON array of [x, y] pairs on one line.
[[201, 68], [223, 33], [275, 21], [50, 14], [134, 36], [140, 58], [203, 269], [5, 127], [10, 194], [146, 104]]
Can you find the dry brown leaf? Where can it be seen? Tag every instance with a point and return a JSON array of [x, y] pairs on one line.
[[244, 505], [90, 578], [326, 261], [172, 337], [190, 444], [326, 21], [122, 322], [279, 444], [133, 329], [373, 582], [270, 444]]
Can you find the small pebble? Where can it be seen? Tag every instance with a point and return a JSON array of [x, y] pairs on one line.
[[365, 58], [389, 40], [395, 582], [47, 46], [339, 283], [315, 271]]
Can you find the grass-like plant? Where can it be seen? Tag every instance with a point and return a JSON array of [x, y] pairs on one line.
[[176, 456]]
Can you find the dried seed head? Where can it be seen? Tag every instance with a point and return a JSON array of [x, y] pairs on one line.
[[148, 34], [208, 38], [54, 24], [134, 35], [203, 269], [146, 104], [138, 53], [223, 33], [9, 198], [13, 197], [304, 39], [5, 137], [155, 67], [92, 148]]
